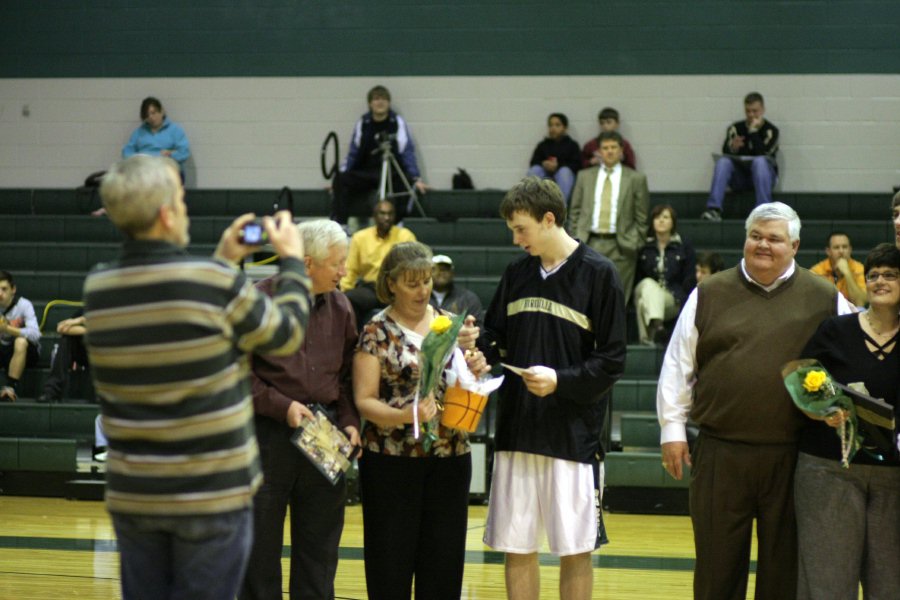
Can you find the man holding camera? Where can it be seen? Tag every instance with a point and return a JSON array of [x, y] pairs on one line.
[[169, 338], [376, 131]]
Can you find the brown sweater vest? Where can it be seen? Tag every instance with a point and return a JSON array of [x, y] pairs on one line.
[[746, 336]]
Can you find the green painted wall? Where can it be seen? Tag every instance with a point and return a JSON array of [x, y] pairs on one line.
[[209, 38]]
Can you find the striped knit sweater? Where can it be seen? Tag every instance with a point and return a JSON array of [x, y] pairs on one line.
[[168, 337]]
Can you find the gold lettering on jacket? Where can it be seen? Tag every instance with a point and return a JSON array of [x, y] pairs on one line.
[[543, 305]]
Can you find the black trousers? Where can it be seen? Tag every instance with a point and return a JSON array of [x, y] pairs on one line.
[[71, 356], [415, 513], [731, 484], [350, 189], [317, 520]]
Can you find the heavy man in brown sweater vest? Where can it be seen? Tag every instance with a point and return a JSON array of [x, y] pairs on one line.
[[722, 370]]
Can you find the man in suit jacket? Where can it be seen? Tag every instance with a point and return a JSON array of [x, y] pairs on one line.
[[609, 209]]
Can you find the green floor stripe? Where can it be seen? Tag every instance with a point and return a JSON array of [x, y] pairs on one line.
[[484, 557]]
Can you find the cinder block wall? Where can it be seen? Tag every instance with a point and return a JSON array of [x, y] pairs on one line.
[[257, 86]]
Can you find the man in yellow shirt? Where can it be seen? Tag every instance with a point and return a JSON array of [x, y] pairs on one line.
[[846, 273], [368, 247]]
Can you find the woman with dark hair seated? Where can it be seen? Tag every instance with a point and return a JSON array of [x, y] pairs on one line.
[[848, 520], [665, 275], [158, 136], [558, 156]]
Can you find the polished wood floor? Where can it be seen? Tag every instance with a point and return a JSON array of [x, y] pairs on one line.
[[54, 548]]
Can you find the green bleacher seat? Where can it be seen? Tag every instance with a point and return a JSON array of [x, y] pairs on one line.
[[205, 203], [89, 229], [479, 261], [446, 205], [809, 205], [640, 430], [50, 284], [24, 418], [73, 420], [233, 203], [47, 454], [640, 469], [634, 469], [259, 202], [15, 202], [634, 395], [484, 287], [643, 362], [9, 453], [431, 231], [65, 201], [461, 232]]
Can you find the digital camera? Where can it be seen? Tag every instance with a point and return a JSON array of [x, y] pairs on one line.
[[253, 234]]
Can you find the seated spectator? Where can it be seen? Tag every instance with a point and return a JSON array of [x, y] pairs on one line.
[[158, 136], [368, 247], [707, 264], [665, 275], [748, 159], [447, 295], [20, 337], [847, 274], [70, 356], [590, 154], [361, 170], [557, 157]]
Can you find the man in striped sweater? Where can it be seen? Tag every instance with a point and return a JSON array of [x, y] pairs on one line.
[[169, 337]]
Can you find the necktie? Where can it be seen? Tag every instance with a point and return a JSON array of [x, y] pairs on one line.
[[605, 220]]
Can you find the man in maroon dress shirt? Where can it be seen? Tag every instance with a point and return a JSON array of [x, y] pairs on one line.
[[285, 390]]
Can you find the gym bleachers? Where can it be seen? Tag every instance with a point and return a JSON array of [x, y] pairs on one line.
[[49, 242]]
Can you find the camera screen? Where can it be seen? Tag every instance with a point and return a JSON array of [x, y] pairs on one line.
[[253, 234]]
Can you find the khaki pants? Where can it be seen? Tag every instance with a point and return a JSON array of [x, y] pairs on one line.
[[652, 301], [625, 263]]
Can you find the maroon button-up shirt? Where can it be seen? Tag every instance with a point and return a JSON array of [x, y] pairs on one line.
[[317, 373]]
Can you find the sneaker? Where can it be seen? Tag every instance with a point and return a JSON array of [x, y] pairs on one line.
[[99, 453], [7, 393], [711, 214]]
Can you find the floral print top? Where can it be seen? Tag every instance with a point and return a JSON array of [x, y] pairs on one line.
[[397, 353]]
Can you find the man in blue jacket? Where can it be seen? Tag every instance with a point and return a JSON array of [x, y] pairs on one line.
[[361, 170]]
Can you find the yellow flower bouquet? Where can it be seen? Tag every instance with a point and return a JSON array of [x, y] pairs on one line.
[[814, 391], [436, 349]]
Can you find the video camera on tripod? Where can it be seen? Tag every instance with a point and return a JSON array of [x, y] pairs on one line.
[[384, 140], [389, 168]]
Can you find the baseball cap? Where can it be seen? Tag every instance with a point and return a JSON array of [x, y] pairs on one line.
[[442, 259]]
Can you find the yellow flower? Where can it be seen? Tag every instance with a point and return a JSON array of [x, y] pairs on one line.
[[441, 324], [814, 381]]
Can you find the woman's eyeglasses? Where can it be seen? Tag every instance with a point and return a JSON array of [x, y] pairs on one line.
[[872, 276]]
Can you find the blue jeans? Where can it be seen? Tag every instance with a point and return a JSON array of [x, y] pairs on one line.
[[564, 178], [181, 558], [760, 175]]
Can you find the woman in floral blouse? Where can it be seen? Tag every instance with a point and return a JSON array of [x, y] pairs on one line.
[[415, 501]]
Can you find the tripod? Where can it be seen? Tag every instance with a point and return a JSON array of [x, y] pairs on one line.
[[389, 165]]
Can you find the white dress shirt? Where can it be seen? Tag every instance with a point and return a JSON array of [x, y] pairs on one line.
[[615, 178], [679, 369]]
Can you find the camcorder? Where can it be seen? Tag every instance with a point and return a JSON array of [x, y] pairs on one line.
[[253, 233], [383, 137]]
